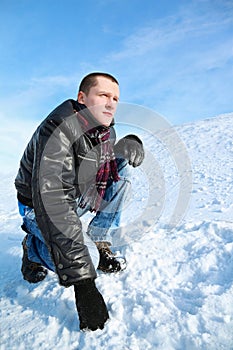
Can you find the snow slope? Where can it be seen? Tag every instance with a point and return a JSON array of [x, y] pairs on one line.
[[177, 290]]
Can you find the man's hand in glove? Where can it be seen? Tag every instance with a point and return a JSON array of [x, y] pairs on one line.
[[90, 305], [130, 147]]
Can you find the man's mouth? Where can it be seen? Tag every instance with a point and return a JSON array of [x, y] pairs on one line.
[[108, 114]]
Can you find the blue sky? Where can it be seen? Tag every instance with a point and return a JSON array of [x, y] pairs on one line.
[[175, 57]]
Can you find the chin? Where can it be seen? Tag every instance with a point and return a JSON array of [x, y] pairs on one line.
[[106, 123]]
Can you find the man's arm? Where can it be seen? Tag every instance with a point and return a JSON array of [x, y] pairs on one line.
[[130, 148], [54, 201]]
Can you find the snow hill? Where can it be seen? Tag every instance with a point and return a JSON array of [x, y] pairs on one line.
[[177, 290]]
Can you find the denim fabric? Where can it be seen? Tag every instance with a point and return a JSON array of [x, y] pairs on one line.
[[101, 228], [104, 226], [37, 249]]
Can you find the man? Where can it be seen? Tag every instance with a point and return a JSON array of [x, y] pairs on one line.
[[70, 166]]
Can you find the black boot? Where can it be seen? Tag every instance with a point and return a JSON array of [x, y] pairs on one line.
[[32, 271], [109, 262]]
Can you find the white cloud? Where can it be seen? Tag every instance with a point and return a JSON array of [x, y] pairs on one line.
[[180, 63], [33, 99], [166, 32], [14, 135]]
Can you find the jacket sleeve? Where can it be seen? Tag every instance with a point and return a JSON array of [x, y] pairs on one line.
[[54, 201]]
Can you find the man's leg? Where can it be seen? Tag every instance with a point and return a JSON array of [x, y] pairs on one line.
[[36, 254], [36, 258], [36, 247], [106, 222], [32, 272], [105, 226]]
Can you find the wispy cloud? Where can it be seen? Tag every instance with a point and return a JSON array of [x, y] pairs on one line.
[[14, 135], [35, 95], [174, 64], [53, 81], [169, 61], [166, 32]]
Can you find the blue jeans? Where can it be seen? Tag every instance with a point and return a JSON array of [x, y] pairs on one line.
[[101, 228]]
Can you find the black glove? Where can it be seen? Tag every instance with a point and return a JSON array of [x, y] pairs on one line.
[[130, 147], [90, 305]]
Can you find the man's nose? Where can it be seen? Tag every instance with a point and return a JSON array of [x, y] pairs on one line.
[[110, 103]]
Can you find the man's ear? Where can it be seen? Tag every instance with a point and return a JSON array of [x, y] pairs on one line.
[[81, 97]]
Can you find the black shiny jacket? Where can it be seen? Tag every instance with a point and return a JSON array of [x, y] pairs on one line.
[[57, 165]]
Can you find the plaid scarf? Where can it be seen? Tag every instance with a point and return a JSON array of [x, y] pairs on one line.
[[107, 169]]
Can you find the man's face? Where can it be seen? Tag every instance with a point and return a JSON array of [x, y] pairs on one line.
[[101, 100]]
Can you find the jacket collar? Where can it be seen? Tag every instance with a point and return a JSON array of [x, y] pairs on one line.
[[85, 112]]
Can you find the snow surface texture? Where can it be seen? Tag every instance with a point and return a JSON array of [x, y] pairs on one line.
[[177, 290]]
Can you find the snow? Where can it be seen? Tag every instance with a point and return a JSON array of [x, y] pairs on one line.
[[177, 290]]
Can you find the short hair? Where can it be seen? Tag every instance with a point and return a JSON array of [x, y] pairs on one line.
[[91, 80]]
